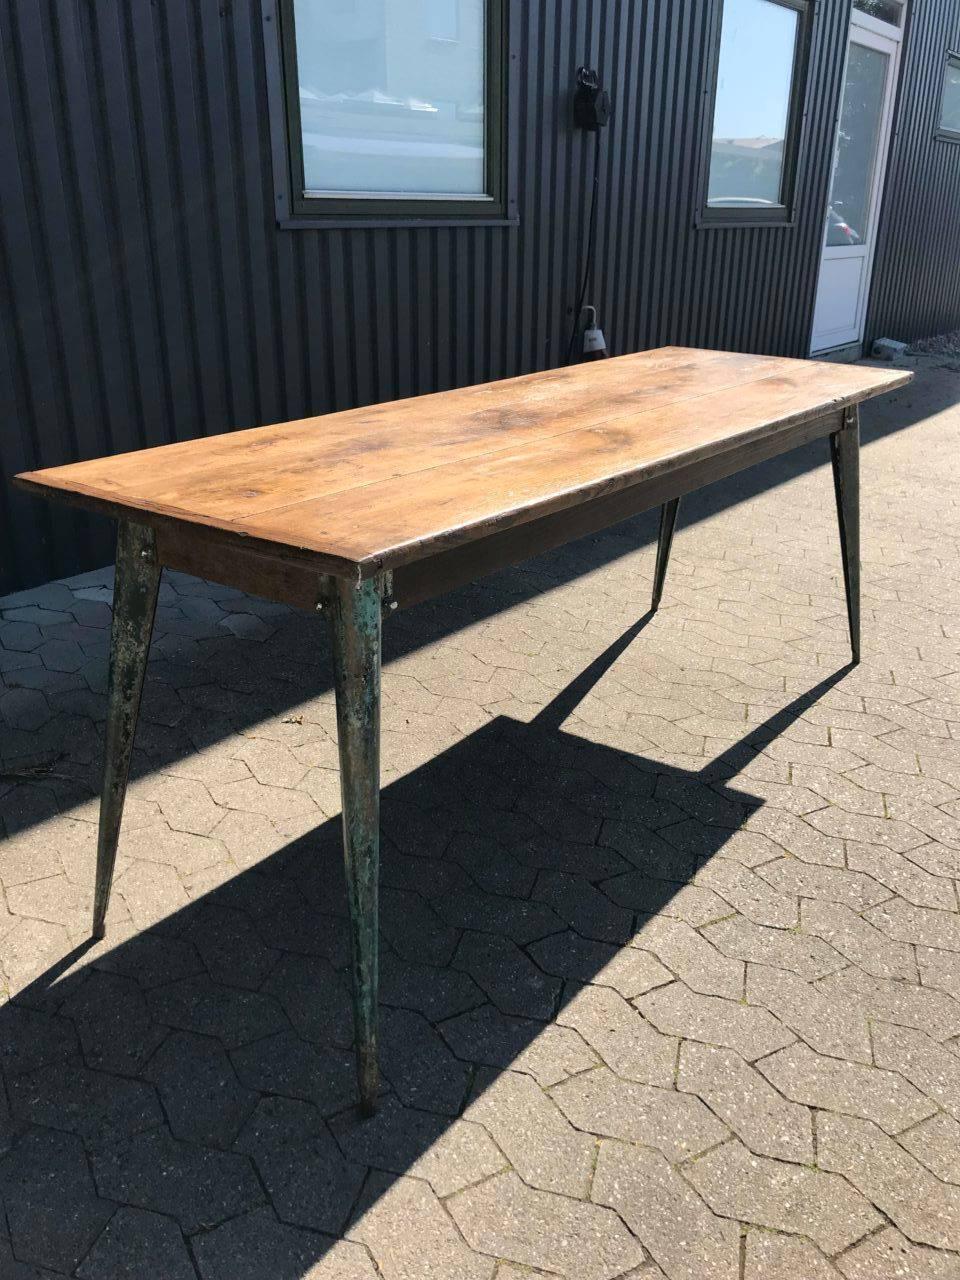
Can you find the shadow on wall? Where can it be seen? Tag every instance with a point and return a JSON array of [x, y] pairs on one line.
[[202, 1069]]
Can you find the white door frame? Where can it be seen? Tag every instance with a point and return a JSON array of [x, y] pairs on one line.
[[872, 33]]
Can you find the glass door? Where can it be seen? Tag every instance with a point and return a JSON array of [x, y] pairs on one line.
[[857, 184]]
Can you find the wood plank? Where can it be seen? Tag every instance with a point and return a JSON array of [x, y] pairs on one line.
[[238, 474], [373, 489]]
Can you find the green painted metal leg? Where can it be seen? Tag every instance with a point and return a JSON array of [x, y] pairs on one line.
[[668, 520], [356, 623], [845, 455], [136, 584]]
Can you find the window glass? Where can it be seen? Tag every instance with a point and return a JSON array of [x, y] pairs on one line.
[[392, 96], [950, 106], [886, 10], [758, 42], [857, 139]]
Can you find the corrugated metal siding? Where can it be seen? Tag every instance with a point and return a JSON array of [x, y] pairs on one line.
[[149, 296], [916, 282]]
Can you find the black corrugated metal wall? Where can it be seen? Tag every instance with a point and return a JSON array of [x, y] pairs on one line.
[[149, 296], [916, 279]]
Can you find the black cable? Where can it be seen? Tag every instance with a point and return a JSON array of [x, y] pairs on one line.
[[590, 248]]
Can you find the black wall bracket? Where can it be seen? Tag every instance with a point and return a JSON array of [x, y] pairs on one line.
[[591, 102]]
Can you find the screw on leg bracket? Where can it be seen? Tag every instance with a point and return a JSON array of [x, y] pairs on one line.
[[326, 593]]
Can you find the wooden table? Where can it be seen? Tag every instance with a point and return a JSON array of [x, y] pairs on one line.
[[363, 512]]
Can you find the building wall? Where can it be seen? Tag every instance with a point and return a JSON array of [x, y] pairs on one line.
[[149, 296], [916, 282]]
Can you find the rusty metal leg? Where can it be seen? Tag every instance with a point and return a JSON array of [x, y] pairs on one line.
[[845, 455], [668, 520], [136, 583], [355, 623]]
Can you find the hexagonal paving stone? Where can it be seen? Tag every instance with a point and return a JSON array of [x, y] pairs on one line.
[[113, 1021], [674, 1123], [24, 708], [12, 1269], [20, 636], [32, 1039], [314, 997], [284, 1065], [548, 1053], [152, 960], [533, 1133], [250, 837], [199, 1004], [418, 1064], [62, 655], [28, 949], [57, 901], [406, 1229], [137, 1243], [309, 1182], [246, 626], [256, 1245], [510, 979], [537, 1228], [450, 1155], [202, 1097], [153, 893], [25, 669], [185, 804], [92, 613], [53, 1210], [195, 1185], [660, 1206], [37, 614], [271, 762], [231, 948], [100, 1108]]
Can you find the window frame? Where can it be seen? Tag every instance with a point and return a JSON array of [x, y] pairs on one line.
[[778, 215], [294, 209], [951, 58]]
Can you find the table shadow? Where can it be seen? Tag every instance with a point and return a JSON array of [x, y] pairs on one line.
[[201, 1070]]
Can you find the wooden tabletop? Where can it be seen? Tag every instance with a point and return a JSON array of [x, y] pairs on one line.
[[371, 489]]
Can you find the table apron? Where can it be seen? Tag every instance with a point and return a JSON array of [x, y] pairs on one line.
[[191, 549]]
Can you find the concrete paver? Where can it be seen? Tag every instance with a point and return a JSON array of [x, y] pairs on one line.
[[572, 1238]]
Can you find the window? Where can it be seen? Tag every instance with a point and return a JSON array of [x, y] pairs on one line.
[[755, 111], [950, 102], [394, 108]]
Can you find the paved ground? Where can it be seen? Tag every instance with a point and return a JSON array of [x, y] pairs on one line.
[[672, 970]]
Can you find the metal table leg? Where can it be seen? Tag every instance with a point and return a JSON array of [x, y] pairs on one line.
[[356, 631], [845, 455], [668, 520], [136, 584]]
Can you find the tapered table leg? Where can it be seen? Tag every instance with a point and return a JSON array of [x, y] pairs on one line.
[[845, 455], [356, 627], [668, 520], [135, 588]]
